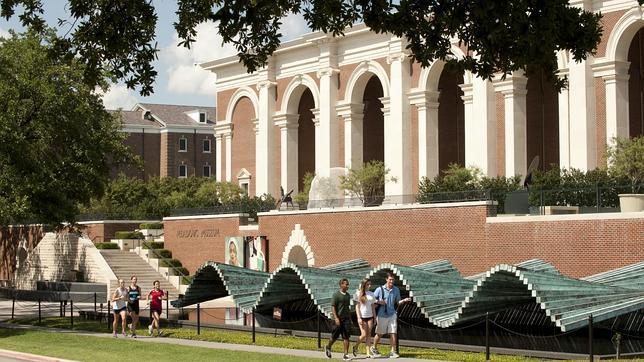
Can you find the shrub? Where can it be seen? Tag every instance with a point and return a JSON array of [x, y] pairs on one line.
[[460, 183], [367, 183], [105, 246], [128, 235], [626, 159], [152, 226], [187, 280], [174, 263], [162, 253], [181, 270], [302, 197], [255, 204], [153, 245]]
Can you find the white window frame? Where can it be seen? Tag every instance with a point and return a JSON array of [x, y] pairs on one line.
[[209, 168], [207, 141], [184, 139], [185, 167]]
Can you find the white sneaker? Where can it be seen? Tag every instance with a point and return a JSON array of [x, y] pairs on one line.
[[393, 354], [374, 352], [150, 329]]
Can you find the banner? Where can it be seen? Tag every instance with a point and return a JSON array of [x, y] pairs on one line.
[[234, 251], [256, 253]]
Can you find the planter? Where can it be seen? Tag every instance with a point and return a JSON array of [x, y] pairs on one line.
[[631, 202]]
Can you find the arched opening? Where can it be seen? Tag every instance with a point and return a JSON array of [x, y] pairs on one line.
[[542, 120], [373, 141], [243, 142], [451, 121], [297, 255], [636, 86], [305, 138]]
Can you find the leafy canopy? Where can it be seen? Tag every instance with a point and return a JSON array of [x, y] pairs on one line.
[[626, 159], [497, 36], [55, 134]]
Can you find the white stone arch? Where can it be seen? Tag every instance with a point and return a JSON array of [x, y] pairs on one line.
[[563, 58], [622, 34], [239, 94], [429, 76], [359, 78], [294, 90], [298, 240]]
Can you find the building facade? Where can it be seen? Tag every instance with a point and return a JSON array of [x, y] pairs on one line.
[[171, 140], [325, 102]]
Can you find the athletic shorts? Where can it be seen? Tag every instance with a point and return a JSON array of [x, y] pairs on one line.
[[366, 320], [342, 329], [117, 311], [133, 308], [152, 310], [387, 325]]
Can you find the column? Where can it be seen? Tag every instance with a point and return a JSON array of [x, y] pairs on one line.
[[326, 120], [218, 148], [264, 149], [353, 115], [514, 93], [224, 134], [564, 124], [615, 75], [427, 104], [581, 96], [288, 124], [480, 126], [398, 128]]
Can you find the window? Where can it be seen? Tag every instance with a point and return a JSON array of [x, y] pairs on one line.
[[244, 186], [183, 171], [206, 170], [206, 145], [202, 117], [183, 144]]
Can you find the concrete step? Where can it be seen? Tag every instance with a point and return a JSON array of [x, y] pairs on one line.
[[70, 287], [124, 264]]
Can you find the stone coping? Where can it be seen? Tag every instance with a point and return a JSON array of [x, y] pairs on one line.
[[566, 217], [378, 208], [213, 216]]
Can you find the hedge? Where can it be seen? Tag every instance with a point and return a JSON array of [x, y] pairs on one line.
[[151, 226], [106, 246], [153, 245], [128, 235], [171, 263], [162, 253]]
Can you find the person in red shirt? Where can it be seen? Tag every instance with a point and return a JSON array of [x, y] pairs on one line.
[[155, 296]]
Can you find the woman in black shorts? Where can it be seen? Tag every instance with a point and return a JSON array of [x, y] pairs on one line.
[[365, 311], [119, 298], [133, 296]]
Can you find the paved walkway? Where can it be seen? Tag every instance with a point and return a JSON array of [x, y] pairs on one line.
[[192, 343]]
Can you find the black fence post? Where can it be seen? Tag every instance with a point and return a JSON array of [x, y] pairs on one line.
[[108, 314], [198, 319], [60, 312], [64, 308], [71, 312], [39, 312], [487, 336], [591, 355], [13, 306], [253, 325], [320, 331], [167, 306], [94, 303], [398, 343]]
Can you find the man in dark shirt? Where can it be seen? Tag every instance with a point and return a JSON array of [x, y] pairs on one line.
[[340, 304]]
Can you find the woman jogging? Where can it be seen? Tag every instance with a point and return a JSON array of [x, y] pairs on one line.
[[155, 296], [119, 298], [133, 294], [365, 311]]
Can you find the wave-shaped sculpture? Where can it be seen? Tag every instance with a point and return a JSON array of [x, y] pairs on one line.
[[440, 294]]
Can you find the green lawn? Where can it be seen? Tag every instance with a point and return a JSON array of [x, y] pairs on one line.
[[96, 349], [215, 335]]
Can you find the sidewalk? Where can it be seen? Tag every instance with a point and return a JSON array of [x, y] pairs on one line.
[[203, 344]]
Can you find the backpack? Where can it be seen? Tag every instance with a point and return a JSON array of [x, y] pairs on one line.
[[382, 297]]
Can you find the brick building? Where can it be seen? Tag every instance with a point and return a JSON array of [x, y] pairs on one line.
[[172, 140], [325, 102]]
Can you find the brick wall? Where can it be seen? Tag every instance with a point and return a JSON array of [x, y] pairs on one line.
[[192, 247], [462, 234]]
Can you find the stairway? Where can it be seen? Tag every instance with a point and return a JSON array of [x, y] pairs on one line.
[[125, 264]]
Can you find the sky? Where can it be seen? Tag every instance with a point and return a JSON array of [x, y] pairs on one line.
[[179, 80]]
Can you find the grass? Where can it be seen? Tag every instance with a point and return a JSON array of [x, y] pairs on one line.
[[224, 336], [96, 349]]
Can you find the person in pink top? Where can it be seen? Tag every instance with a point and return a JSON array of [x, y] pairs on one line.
[[155, 296]]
